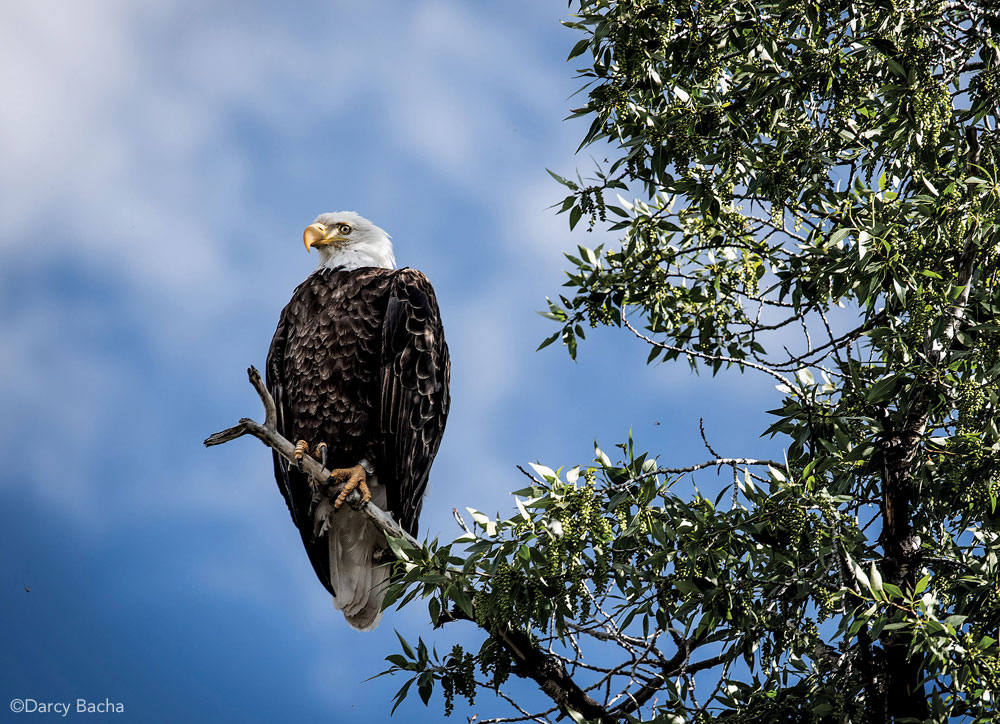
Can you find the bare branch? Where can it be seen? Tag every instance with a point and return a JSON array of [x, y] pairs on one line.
[[714, 357], [711, 464], [269, 435]]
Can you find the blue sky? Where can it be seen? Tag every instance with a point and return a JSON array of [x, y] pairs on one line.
[[158, 163]]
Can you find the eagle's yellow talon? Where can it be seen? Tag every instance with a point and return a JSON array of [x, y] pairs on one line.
[[301, 448], [354, 477]]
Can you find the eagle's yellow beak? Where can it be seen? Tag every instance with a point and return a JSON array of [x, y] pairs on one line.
[[318, 235], [314, 235]]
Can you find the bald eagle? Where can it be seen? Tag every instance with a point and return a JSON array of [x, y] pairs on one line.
[[359, 371]]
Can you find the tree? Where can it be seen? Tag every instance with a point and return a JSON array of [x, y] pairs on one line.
[[818, 196]]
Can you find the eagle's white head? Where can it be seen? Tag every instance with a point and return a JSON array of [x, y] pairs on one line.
[[348, 240]]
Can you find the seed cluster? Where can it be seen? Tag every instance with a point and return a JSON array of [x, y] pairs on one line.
[[460, 678], [512, 599], [985, 87], [783, 521], [592, 204], [828, 603], [931, 109], [575, 552], [975, 472], [494, 661]]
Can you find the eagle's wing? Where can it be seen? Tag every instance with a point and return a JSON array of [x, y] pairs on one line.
[[294, 486], [416, 371]]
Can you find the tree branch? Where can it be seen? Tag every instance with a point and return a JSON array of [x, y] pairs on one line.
[[714, 358], [268, 434], [531, 662], [719, 462], [678, 664]]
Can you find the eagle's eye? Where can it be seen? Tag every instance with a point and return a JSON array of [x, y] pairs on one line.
[[345, 229]]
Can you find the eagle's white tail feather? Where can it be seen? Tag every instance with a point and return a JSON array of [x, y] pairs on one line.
[[358, 581]]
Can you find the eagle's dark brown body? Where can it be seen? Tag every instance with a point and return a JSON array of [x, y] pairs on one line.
[[359, 361]]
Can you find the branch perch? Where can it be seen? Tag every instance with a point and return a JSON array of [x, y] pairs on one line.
[[268, 434]]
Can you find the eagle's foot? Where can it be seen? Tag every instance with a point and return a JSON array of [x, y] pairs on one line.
[[354, 477], [301, 448], [320, 452]]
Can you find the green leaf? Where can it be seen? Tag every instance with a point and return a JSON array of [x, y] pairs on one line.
[[544, 472], [406, 647], [838, 236], [392, 595], [876, 579], [883, 389], [434, 609], [892, 591], [548, 340], [563, 181], [457, 594], [400, 695], [425, 687], [897, 68], [862, 244], [397, 660], [579, 48]]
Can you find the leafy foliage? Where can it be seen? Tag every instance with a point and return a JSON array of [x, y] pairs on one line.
[[818, 202]]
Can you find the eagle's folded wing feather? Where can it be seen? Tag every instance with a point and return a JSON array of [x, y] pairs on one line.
[[414, 403]]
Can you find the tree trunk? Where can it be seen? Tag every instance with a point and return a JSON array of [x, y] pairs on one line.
[[904, 692]]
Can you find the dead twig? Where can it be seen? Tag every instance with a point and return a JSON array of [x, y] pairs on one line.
[[268, 434]]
